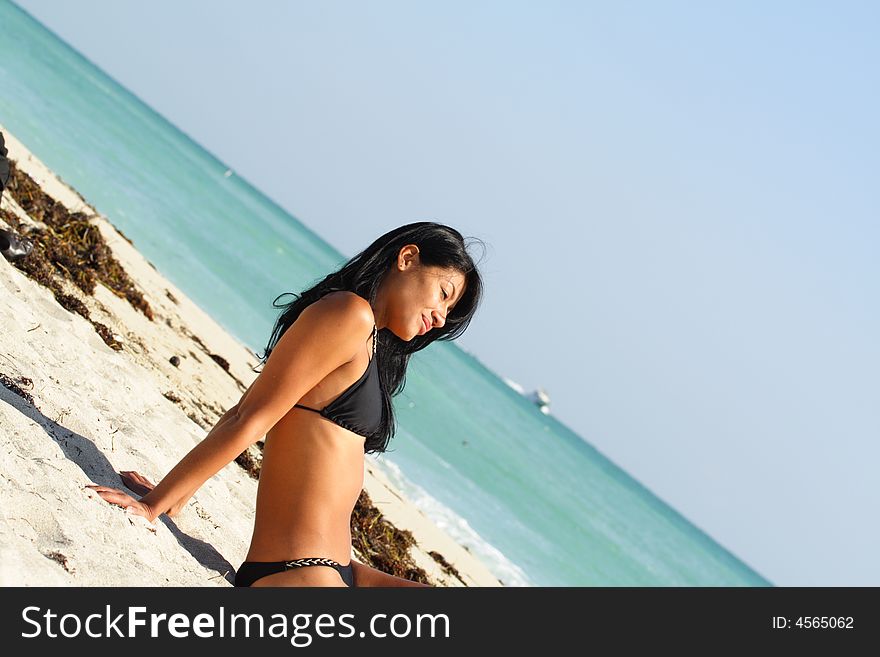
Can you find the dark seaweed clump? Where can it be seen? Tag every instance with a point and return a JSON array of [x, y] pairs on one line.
[[39, 266], [251, 460], [70, 245], [447, 567], [382, 545], [7, 382]]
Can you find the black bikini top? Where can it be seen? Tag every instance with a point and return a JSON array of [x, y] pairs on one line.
[[359, 408]]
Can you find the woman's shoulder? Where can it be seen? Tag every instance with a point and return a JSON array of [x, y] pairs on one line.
[[347, 304]]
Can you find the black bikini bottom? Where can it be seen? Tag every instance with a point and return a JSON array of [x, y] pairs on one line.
[[251, 571]]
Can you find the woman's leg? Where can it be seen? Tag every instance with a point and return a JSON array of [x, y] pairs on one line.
[[366, 576]]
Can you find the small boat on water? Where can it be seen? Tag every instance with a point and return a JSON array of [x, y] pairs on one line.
[[541, 399], [538, 397]]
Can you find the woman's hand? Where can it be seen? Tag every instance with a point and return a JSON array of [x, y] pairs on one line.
[[126, 501], [136, 482]]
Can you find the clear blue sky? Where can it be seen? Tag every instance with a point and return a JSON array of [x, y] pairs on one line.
[[681, 202]]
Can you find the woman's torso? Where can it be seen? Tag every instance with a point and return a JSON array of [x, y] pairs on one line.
[[311, 476]]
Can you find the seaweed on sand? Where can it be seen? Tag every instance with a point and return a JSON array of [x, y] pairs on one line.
[[71, 244], [39, 267], [382, 545], [14, 386], [447, 567]]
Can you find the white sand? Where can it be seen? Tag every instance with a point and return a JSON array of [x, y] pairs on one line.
[[98, 411]]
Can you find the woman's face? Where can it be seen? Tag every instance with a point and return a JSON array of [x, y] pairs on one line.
[[417, 298]]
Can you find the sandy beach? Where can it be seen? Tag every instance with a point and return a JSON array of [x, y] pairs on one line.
[[79, 403]]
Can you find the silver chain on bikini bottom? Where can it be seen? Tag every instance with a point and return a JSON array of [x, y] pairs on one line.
[[311, 561]]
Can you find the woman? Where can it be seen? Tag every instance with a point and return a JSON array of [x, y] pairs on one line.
[[323, 400]]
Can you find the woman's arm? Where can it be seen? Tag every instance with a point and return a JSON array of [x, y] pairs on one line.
[[223, 444], [326, 335], [229, 438]]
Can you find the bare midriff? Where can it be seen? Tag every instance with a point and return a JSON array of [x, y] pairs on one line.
[[310, 479]]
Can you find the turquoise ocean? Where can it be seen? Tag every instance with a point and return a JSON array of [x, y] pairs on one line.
[[535, 501]]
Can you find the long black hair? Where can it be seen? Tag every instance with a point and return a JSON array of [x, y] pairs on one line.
[[440, 246]]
